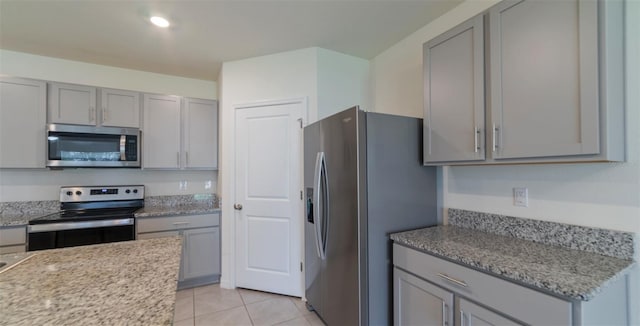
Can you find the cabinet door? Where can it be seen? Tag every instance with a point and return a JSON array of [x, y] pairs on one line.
[[474, 315], [120, 108], [161, 132], [544, 78], [22, 123], [73, 104], [418, 302], [202, 252], [200, 133], [454, 94]]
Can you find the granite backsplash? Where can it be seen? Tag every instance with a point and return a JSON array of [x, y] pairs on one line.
[[601, 241]]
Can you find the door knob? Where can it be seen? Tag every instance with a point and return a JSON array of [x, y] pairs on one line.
[[237, 206]]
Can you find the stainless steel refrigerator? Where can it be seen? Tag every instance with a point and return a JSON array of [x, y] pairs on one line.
[[363, 180]]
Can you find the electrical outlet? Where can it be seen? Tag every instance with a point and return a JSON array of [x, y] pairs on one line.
[[183, 185], [521, 197], [207, 185]]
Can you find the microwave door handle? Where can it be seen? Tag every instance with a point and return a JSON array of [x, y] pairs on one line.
[[123, 147]]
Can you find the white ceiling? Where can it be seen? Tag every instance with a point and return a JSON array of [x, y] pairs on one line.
[[206, 33]]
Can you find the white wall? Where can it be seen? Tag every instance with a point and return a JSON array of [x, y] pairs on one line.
[[39, 67], [23, 185], [41, 184], [397, 72], [280, 76], [604, 195], [330, 82], [343, 81]]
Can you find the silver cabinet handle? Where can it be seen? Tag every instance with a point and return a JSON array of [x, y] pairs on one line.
[[186, 154], [237, 207], [180, 223], [476, 134], [104, 114], [452, 280], [92, 113], [444, 314], [494, 132], [178, 159]]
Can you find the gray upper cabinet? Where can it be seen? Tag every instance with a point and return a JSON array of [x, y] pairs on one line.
[[23, 116], [72, 104], [544, 78], [180, 133], [200, 133], [119, 108], [87, 105], [554, 85], [161, 132], [454, 94]]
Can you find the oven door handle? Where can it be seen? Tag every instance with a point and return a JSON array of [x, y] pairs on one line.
[[78, 225]]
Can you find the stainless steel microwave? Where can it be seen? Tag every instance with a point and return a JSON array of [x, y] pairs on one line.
[[90, 147]]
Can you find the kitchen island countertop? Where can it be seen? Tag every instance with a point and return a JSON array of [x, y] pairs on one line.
[[121, 283]]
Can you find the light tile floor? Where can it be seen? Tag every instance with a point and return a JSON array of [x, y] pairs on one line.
[[212, 305]]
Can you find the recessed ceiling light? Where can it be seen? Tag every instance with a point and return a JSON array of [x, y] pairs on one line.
[[159, 21]]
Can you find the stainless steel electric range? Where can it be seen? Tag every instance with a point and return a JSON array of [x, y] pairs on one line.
[[88, 215]]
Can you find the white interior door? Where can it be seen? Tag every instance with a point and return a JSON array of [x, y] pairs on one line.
[[268, 167]]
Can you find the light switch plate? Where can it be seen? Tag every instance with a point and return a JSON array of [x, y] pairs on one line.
[[521, 197]]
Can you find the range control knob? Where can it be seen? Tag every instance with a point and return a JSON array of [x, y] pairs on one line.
[[127, 191], [78, 192], [135, 191], [69, 193]]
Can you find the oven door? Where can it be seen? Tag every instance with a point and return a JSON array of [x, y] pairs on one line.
[[71, 234], [83, 146]]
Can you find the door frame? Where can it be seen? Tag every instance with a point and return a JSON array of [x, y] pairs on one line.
[[228, 188]]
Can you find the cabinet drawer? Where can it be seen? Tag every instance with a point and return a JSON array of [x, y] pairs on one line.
[[12, 249], [13, 236], [153, 235], [168, 223], [524, 304]]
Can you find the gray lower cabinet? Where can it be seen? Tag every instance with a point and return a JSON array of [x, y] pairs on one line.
[[13, 239], [200, 263], [432, 291], [472, 314], [201, 259], [418, 302]]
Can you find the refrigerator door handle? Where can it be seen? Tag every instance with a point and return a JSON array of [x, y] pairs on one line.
[[316, 201], [325, 208]]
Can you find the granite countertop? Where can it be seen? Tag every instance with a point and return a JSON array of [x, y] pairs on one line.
[[9, 220], [19, 213], [165, 210], [121, 283], [572, 274]]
